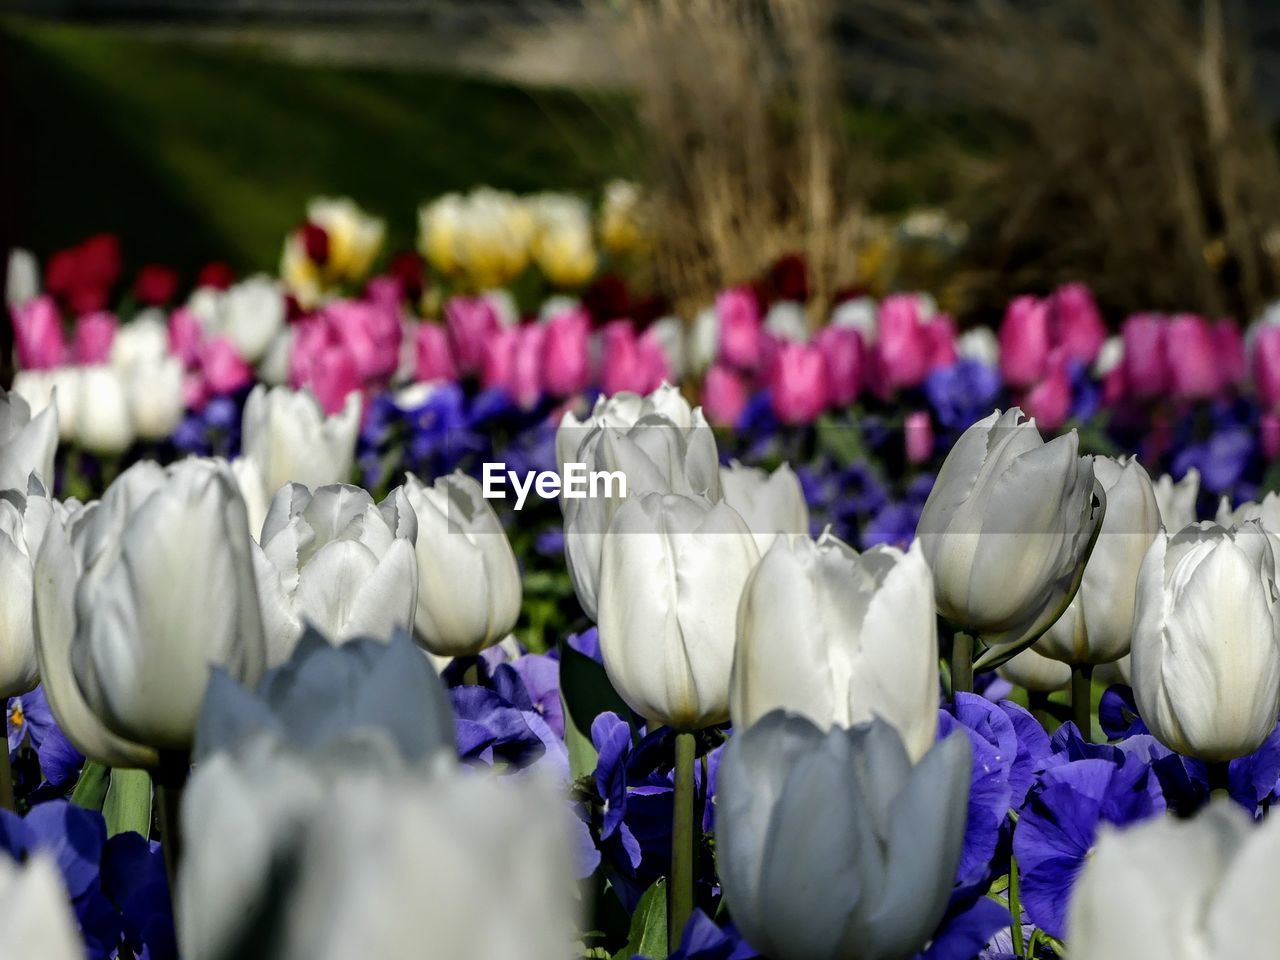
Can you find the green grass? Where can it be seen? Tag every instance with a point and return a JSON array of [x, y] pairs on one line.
[[192, 153]]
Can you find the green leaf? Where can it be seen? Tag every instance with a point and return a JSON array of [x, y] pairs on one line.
[[648, 936], [128, 803], [91, 788], [587, 691], [582, 752]]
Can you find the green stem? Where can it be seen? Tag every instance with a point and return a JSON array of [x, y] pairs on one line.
[[961, 664], [1015, 909], [681, 886], [170, 781], [1081, 695], [1218, 780]]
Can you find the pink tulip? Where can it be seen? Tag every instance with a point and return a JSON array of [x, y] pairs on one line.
[[37, 334], [225, 371], [566, 365], [724, 395], [385, 290], [318, 361], [629, 362], [432, 359], [195, 392], [471, 321], [1266, 365], [525, 384], [1024, 341], [1146, 365], [94, 335], [1269, 434], [798, 380], [845, 357], [1114, 387], [654, 362], [740, 327], [370, 333], [918, 429], [904, 349], [185, 335], [941, 331], [1076, 323], [1229, 347], [1195, 371], [1049, 401]]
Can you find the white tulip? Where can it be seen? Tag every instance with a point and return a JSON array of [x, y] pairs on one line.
[[1206, 640], [665, 448], [839, 638], [338, 561], [290, 440], [1169, 889], [43, 388], [1098, 624], [1007, 529], [979, 344], [158, 588], [103, 422], [669, 332], [273, 368], [672, 574], [787, 321], [469, 589], [1178, 500], [23, 519], [1035, 672], [252, 314], [36, 918], [27, 443], [704, 340], [770, 503], [144, 339], [156, 401], [22, 283], [1267, 513], [860, 314]]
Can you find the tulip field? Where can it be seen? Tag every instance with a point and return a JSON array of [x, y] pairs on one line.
[[474, 603]]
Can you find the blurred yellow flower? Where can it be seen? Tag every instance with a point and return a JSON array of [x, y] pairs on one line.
[[623, 230], [563, 246]]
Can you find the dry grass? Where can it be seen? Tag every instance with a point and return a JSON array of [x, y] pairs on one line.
[[740, 114], [1132, 154]]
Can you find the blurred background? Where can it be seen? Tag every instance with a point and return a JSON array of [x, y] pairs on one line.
[[974, 148]]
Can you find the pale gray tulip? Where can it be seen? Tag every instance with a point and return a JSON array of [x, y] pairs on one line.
[[1007, 529], [1178, 500], [155, 395], [337, 561], [1169, 889], [1032, 671], [839, 638], [667, 448], [290, 440], [158, 588], [833, 845], [672, 575], [27, 444], [290, 858], [469, 589], [770, 503], [1206, 640], [22, 281], [35, 911], [1097, 626]]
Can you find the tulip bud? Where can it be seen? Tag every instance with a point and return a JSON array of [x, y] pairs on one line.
[[103, 422], [798, 381], [23, 520], [770, 503], [1007, 529], [36, 919], [839, 638], [289, 438], [159, 588], [1098, 624], [740, 328], [1179, 888], [1024, 341], [671, 575], [469, 589], [845, 358], [799, 813], [1146, 364], [1033, 671], [336, 561], [655, 454], [93, 337], [1264, 363], [27, 443], [1206, 640], [1075, 322], [1266, 513], [1177, 501]]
